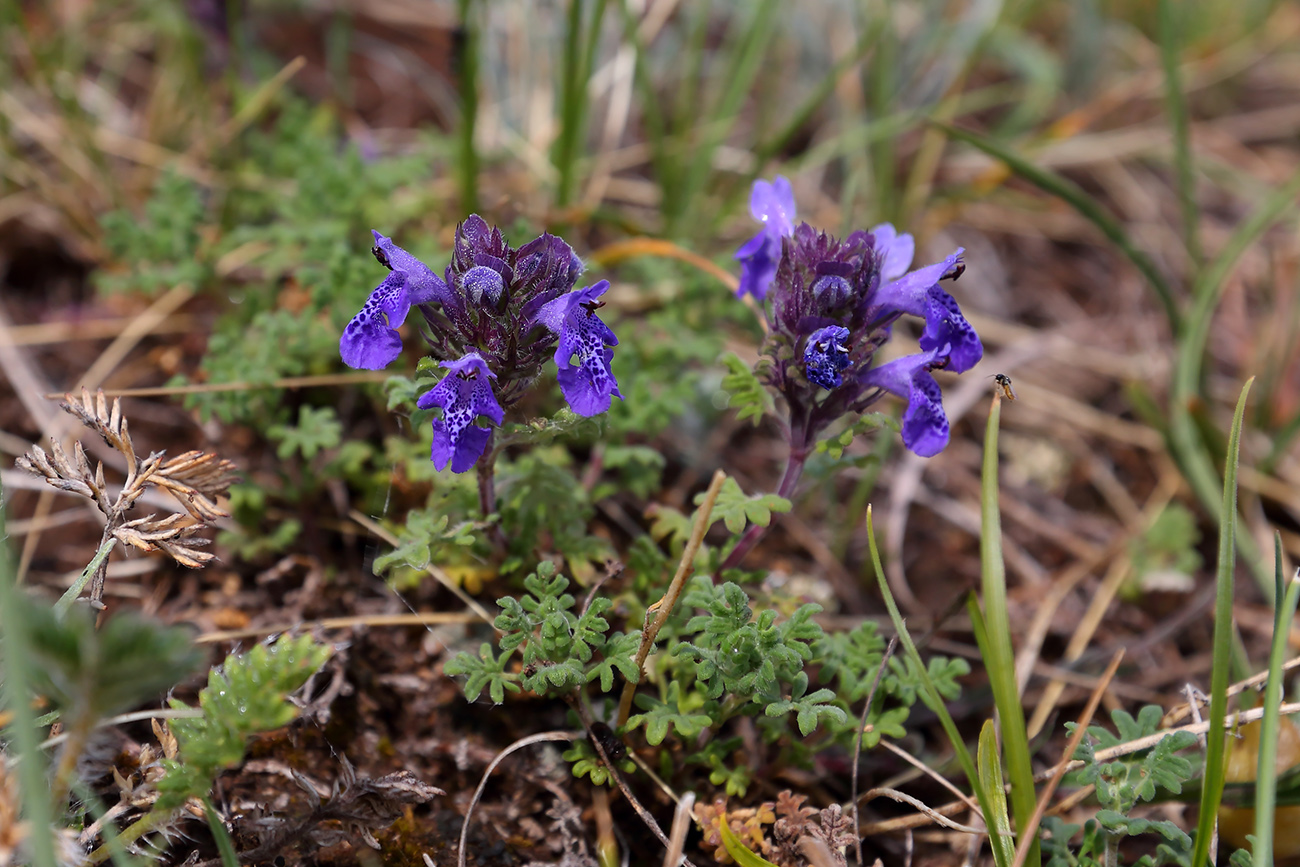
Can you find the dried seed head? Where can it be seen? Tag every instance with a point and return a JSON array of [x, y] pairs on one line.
[[194, 478]]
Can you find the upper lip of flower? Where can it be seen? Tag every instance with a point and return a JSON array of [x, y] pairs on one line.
[[771, 204]]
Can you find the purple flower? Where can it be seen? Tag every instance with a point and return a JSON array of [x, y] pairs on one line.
[[896, 251], [370, 341], [925, 427], [772, 204], [589, 384], [918, 294], [464, 394], [826, 356]]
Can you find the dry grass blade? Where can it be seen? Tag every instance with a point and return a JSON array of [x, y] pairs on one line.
[[927, 812], [677, 834]]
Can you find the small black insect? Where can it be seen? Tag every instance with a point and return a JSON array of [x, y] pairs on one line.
[[610, 742], [1004, 385], [381, 256]]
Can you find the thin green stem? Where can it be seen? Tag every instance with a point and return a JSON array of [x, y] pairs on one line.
[[999, 657], [581, 42], [1266, 771], [96, 563], [1215, 769], [1002, 849], [1176, 107]]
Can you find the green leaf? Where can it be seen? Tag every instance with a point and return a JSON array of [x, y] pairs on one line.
[[426, 538], [735, 509], [485, 671], [587, 763], [317, 429], [660, 715], [990, 770], [809, 709], [619, 653], [834, 446], [745, 392], [885, 723], [1138, 777], [1215, 746], [669, 523], [740, 854]]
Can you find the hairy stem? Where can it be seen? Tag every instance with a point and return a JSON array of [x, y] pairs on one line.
[[487, 488]]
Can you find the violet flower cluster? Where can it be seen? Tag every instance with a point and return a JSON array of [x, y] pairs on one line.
[[831, 304], [492, 320]]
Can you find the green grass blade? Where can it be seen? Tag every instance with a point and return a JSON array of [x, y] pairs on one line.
[[990, 770], [1003, 850], [656, 126], [1184, 438], [1176, 108], [1088, 207], [581, 40], [745, 62], [881, 87], [1215, 748], [765, 150], [225, 846], [1266, 773], [999, 657], [17, 676], [467, 83], [70, 595]]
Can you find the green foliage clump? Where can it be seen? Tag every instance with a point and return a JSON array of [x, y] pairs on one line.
[[161, 247], [724, 661], [560, 649], [426, 538], [1121, 785], [244, 696], [1167, 548], [293, 226], [89, 673]]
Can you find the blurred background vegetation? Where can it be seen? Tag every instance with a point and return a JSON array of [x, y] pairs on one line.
[[187, 191]]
